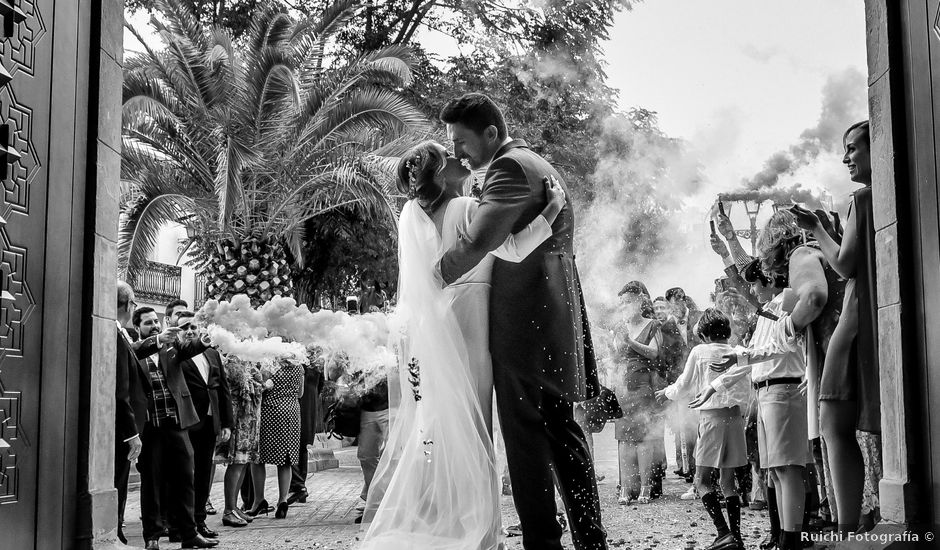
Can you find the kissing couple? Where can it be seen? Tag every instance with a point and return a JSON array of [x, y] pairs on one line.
[[489, 299]]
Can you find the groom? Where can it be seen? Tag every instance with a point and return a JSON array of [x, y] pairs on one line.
[[543, 360]]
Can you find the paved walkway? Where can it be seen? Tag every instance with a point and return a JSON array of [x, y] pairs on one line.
[[325, 521]]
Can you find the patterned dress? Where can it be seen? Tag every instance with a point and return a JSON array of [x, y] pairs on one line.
[[280, 416], [244, 381]]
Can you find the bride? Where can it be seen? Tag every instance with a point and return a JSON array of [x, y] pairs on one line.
[[436, 484]]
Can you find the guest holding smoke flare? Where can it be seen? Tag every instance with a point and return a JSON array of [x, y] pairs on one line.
[[782, 428], [849, 389], [636, 351], [812, 301], [721, 444]]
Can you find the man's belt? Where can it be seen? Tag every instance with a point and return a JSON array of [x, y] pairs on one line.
[[775, 381]]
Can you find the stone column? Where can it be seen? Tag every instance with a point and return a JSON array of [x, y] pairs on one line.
[[106, 57], [883, 94]]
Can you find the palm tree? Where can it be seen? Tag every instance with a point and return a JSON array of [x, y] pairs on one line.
[[246, 143]]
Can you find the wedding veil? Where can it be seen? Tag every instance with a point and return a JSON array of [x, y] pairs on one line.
[[435, 487]]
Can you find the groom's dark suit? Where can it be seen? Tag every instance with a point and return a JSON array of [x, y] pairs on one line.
[[543, 359]]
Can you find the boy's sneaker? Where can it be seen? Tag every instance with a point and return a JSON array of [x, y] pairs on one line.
[[691, 494]]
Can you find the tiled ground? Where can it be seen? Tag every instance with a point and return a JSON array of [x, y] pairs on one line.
[[326, 520]]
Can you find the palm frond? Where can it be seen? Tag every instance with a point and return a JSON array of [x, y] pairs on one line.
[[141, 227]]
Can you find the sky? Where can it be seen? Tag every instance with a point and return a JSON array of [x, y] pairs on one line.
[[738, 80]]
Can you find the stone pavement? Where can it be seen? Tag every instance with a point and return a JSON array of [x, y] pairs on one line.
[[325, 521]]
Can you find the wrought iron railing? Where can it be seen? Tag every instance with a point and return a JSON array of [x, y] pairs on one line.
[[158, 283], [200, 291]]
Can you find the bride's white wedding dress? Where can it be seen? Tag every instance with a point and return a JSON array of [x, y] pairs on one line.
[[436, 485]]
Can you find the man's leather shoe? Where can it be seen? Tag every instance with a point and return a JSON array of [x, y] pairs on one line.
[[770, 542], [726, 542], [153, 544], [204, 530], [200, 542], [297, 496]]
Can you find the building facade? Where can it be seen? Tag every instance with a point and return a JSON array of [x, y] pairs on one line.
[[904, 87]]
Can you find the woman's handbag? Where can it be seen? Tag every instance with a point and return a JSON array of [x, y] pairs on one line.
[[342, 420], [342, 412], [600, 409]]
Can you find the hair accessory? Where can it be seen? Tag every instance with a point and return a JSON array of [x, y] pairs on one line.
[[413, 176]]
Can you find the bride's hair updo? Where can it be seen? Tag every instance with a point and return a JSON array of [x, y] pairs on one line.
[[416, 171]]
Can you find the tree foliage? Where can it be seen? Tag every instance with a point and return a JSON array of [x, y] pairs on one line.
[[256, 141], [542, 62]]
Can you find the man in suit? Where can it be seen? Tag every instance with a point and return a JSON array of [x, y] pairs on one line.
[[130, 402], [172, 312], [208, 388], [167, 452], [543, 360], [309, 415]]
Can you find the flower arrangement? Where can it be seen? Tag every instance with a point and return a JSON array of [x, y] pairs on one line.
[[414, 378]]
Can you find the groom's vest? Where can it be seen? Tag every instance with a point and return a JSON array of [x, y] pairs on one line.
[[538, 325]]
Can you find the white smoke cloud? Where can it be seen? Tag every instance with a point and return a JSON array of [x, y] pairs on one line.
[[649, 221]]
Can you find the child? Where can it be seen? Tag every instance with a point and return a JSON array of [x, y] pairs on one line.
[[721, 443]]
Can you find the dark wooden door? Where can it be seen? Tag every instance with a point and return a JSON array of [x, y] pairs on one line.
[[25, 54], [920, 31], [42, 144]]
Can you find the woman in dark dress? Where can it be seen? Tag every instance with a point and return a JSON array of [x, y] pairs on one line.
[[849, 389], [279, 440], [635, 355]]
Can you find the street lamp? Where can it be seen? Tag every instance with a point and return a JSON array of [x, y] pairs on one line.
[[752, 206]]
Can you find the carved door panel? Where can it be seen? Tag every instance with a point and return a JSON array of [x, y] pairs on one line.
[[920, 30], [25, 55]]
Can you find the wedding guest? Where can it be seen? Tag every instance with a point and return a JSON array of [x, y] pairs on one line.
[[173, 310], [782, 428], [636, 351], [208, 387], [373, 433], [167, 452], [721, 443], [309, 413], [130, 399], [686, 315], [849, 393], [279, 439], [672, 354], [813, 303], [373, 299], [171, 319], [245, 385]]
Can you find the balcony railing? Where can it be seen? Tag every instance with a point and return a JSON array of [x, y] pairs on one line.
[[200, 298], [158, 283]]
